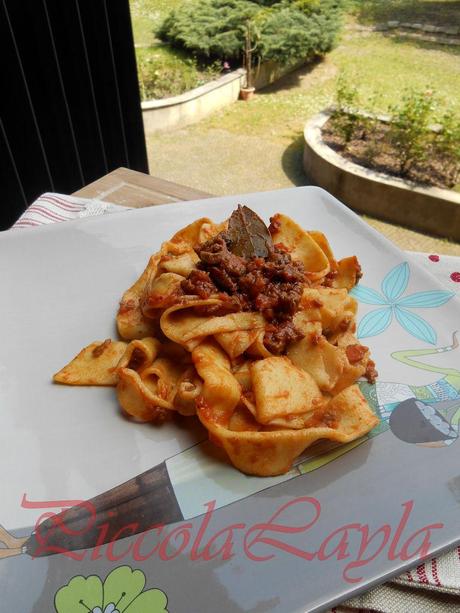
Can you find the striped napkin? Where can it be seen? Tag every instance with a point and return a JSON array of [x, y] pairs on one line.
[[432, 587], [53, 208]]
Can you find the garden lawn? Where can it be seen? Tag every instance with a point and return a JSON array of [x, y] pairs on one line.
[[147, 15], [162, 70], [258, 145], [435, 12]]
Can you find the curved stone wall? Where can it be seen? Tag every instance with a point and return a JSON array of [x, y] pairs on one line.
[[428, 209]]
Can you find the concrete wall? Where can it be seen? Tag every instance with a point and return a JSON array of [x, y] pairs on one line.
[[428, 209], [269, 72], [178, 111], [168, 113]]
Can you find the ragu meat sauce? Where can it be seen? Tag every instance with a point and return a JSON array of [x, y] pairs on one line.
[[258, 277]]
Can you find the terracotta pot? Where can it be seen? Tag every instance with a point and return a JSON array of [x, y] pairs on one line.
[[246, 93]]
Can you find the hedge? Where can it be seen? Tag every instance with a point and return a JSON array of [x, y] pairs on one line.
[[286, 29]]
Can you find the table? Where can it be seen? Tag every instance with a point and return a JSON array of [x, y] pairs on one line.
[[138, 190]]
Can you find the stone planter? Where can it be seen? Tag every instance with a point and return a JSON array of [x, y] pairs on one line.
[[192, 106], [428, 209]]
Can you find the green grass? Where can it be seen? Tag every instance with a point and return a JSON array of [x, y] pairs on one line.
[[436, 12], [381, 68], [163, 71], [147, 15]]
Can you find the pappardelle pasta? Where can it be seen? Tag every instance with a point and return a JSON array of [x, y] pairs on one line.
[[251, 329]]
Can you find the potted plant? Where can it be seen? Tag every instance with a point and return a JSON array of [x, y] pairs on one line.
[[247, 92]]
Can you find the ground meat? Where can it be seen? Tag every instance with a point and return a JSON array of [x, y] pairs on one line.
[[282, 247], [371, 374], [271, 285], [137, 359], [329, 278], [99, 350], [359, 271], [355, 353], [222, 279], [216, 252], [277, 337], [199, 284], [275, 225]]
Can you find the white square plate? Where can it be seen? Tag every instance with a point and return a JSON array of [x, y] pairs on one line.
[[60, 287]]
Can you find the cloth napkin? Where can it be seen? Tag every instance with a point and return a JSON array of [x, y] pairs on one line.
[[54, 208], [431, 587]]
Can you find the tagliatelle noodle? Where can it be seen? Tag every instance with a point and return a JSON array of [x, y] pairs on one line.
[[322, 360], [334, 308], [322, 242], [263, 409], [189, 390], [327, 364], [160, 293], [301, 246], [237, 342], [182, 264], [258, 349], [140, 400], [162, 378], [197, 232], [131, 322], [96, 364], [284, 395], [181, 324], [269, 453], [221, 390], [140, 353], [348, 271]]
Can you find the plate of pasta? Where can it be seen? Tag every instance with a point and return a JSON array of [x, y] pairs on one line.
[[190, 391], [248, 327]]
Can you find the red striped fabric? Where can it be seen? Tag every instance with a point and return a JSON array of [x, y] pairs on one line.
[[52, 208], [61, 204]]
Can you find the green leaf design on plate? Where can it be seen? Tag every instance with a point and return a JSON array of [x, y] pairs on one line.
[[87, 590], [151, 601], [122, 585]]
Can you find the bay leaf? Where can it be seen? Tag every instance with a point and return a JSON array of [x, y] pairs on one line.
[[249, 236]]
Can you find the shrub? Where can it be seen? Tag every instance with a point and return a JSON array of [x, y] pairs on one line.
[[210, 28], [161, 75], [345, 116], [447, 145], [288, 29], [409, 128], [410, 144], [301, 29]]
